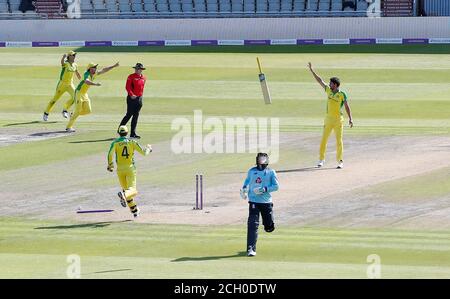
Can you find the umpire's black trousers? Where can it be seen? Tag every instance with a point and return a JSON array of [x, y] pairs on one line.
[[133, 108], [266, 211]]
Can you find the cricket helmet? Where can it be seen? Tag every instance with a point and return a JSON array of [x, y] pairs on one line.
[[123, 130], [262, 160]]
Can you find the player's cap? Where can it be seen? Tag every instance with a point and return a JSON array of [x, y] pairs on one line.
[[122, 130], [91, 65], [139, 66], [71, 53]]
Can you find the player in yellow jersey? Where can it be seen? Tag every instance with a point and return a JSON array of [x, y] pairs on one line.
[[334, 119], [123, 149], [82, 101], [65, 84]]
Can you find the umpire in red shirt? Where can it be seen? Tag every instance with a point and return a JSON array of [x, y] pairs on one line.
[[135, 89]]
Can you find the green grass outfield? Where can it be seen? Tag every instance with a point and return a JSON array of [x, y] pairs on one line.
[[393, 90], [37, 249]]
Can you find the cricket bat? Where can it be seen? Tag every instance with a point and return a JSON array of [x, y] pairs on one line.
[[264, 87]]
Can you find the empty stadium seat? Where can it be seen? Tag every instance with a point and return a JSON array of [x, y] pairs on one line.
[[299, 5], [275, 5], [149, 6], [136, 6], [14, 5], [249, 7], [362, 5], [336, 5], [86, 7], [225, 6], [99, 5], [111, 6], [237, 6], [212, 6], [187, 6], [312, 5], [286, 6], [124, 6], [324, 5], [162, 6], [199, 6], [175, 6], [4, 7], [261, 6]]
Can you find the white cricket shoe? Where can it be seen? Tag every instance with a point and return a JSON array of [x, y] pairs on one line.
[[70, 130], [340, 165], [250, 251], [320, 164], [45, 117], [137, 213], [123, 200], [65, 114]]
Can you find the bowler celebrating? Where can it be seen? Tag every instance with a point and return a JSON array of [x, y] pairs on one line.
[[260, 182], [334, 119], [65, 84], [82, 101], [123, 148]]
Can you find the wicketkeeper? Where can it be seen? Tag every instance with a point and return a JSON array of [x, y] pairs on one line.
[[124, 149], [260, 182]]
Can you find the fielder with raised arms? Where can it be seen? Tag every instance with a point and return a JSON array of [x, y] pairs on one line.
[[65, 84], [81, 97], [260, 182], [334, 119]]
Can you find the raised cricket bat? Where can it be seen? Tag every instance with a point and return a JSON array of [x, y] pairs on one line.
[[264, 87]]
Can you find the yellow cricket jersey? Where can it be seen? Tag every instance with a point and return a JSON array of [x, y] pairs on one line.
[[124, 149], [335, 102], [67, 71], [82, 87]]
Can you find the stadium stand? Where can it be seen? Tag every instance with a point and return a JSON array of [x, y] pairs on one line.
[[227, 8], [436, 8]]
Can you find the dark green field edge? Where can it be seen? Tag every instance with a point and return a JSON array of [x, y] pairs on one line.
[[391, 49]]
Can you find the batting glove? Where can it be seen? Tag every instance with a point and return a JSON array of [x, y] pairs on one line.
[[244, 192], [110, 168], [260, 190]]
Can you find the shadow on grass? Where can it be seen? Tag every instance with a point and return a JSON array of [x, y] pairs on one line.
[[41, 134], [209, 258], [29, 123], [92, 141], [111, 271], [314, 168], [304, 169], [84, 225], [391, 49]]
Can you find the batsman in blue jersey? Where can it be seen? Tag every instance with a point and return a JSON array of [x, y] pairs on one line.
[[260, 182]]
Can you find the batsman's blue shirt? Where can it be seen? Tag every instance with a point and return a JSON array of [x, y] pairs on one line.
[[256, 178]]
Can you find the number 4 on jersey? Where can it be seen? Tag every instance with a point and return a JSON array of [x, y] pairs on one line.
[[125, 152]]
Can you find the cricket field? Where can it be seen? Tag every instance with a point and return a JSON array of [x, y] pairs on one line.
[[389, 206]]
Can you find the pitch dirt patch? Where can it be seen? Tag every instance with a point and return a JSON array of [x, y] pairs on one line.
[[9, 136], [307, 196]]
